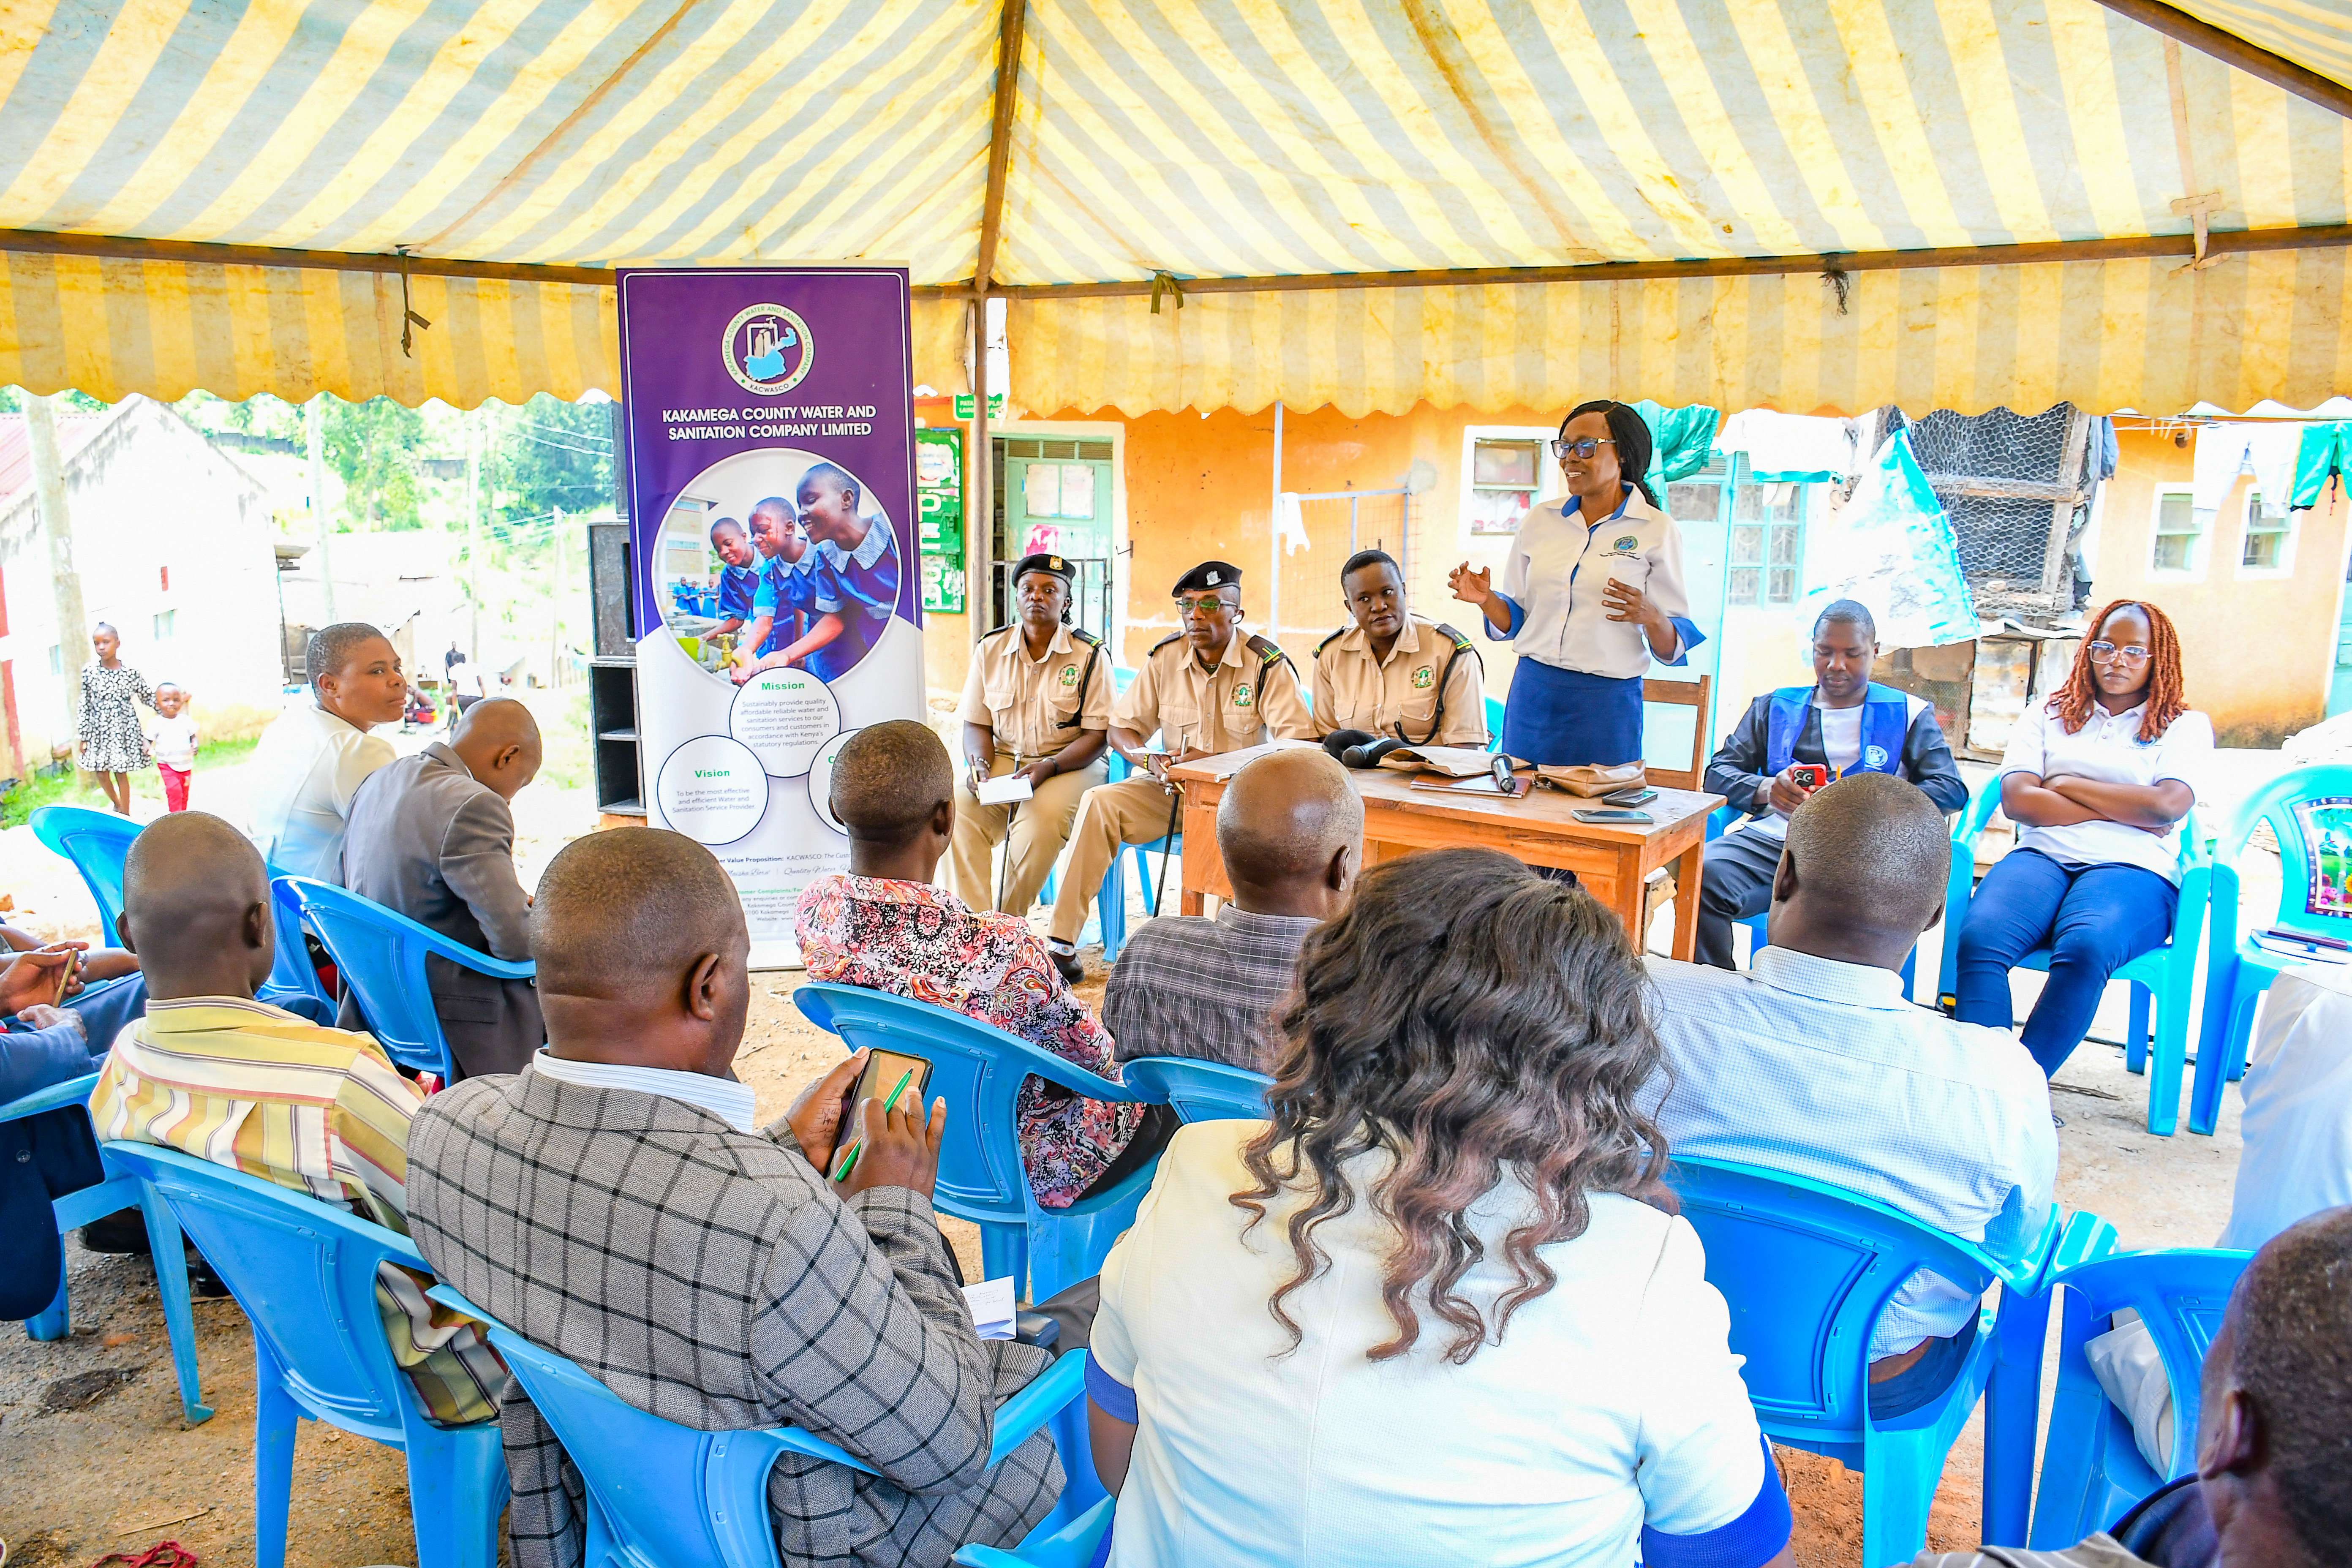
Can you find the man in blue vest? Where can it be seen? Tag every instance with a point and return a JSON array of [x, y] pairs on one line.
[[1841, 723]]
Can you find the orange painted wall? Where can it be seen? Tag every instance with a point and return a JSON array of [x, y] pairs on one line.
[[2258, 650]]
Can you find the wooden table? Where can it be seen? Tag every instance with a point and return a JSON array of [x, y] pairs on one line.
[[1612, 861]]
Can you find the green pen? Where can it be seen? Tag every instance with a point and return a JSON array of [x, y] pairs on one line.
[[849, 1155]]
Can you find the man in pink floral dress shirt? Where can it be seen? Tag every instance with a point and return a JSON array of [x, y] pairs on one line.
[[885, 926]]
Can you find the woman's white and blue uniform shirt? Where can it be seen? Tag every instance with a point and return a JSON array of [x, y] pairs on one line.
[[1556, 576]]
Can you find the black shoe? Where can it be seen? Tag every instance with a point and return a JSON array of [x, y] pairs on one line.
[[203, 1283], [123, 1232], [1066, 964]]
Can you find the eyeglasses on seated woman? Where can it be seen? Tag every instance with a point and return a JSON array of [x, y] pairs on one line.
[[1438, 1306]]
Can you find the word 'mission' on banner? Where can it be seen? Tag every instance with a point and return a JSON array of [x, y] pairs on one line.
[[771, 485]]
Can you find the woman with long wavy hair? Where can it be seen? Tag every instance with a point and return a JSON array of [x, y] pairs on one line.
[[2096, 779], [1439, 1307]]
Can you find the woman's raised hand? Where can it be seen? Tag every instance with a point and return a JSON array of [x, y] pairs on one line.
[[1472, 587]]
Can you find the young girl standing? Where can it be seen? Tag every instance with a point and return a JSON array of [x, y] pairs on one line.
[[113, 742]]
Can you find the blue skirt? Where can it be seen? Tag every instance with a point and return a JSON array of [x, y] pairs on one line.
[[1568, 718]]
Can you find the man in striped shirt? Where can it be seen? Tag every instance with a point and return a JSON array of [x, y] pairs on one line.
[[213, 1073]]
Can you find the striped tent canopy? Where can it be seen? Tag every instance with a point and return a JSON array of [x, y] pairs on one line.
[[1807, 205]]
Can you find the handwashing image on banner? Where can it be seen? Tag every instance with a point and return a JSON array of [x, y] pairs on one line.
[[771, 488]]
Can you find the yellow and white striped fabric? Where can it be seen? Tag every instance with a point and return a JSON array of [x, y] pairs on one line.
[[1294, 137], [252, 1087]]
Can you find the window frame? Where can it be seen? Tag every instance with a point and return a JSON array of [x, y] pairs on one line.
[[2200, 537], [2286, 533], [1739, 475]]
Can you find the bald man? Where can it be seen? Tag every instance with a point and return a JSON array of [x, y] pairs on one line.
[[1814, 1063], [432, 836], [2274, 1422], [211, 1072], [1291, 829], [619, 1204]]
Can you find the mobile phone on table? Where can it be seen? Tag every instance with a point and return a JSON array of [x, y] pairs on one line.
[[1618, 817], [884, 1071], [1636, 794]]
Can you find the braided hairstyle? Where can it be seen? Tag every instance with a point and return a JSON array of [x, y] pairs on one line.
[[1631, 432], [2165, 701]]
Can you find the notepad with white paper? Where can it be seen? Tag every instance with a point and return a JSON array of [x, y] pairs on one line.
[[992, 1307], [1006, 790]]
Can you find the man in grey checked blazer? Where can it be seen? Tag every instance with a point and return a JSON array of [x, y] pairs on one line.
[[614, 1204]]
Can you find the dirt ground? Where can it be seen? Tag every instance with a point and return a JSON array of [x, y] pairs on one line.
[[106, 1465]]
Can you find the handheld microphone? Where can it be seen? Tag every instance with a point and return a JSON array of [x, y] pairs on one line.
[[1370, 755]]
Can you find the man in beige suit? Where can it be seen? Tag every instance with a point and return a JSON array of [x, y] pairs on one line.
[[431, 836]]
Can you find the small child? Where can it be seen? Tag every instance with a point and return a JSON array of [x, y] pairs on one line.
[[174, 742]]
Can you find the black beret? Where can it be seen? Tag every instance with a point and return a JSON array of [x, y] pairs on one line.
[[1055, 566], [1208, 575]]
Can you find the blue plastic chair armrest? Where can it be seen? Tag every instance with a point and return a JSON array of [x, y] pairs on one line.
[[399, 1249], [480, 963], [448, 1296], [1019, 1417], [73, 1091], [2027, 1275], [2086, 1239]]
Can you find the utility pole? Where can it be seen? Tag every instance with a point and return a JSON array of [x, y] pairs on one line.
[[555, 610], [314, 421], [49, 485], [474, 533]]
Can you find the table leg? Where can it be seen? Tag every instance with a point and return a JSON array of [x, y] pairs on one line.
[[1201, 862], [1687, 870]]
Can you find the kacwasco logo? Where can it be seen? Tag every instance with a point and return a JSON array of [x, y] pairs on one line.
[[768, 350]]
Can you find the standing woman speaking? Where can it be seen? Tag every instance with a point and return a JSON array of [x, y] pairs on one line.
[[1593, 593]]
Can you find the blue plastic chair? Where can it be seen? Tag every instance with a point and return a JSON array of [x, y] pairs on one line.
[[305, 1271], [2163, 976], [2241, 971], [98, 842], [665, 1496], [1200, 1091], [1720, 821], [978, 1069], [116, 1193], [1111, 898], [1494, 723], [1077, 1544], [2092, 1470], [1807, 1270], [381, 956]]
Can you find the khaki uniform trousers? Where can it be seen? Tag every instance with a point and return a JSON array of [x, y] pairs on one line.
[[1132, 811], [1040, 823]]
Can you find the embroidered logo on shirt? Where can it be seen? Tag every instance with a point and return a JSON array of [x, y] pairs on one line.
[[1873, 756], [1243, 695], [1421, 676], [1069, 675], [1626, 542]]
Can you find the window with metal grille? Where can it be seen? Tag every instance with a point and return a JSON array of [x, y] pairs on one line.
[[1504, 478], [2267, 533], [2177, 530], [1768, 543]]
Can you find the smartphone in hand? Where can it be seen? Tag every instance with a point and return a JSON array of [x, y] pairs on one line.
[[885, 1070]]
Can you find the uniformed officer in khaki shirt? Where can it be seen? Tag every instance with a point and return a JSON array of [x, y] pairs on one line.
[[1038, 702], [1394, 674], [1211, 687]]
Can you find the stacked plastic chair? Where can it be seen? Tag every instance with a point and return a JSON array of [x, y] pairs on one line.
[[305, 1273], [978, 1071], [117, 1191], [2163, 976]]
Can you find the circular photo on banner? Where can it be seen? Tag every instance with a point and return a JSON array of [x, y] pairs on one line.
[[820, 780], [777, 559], [712, 789]]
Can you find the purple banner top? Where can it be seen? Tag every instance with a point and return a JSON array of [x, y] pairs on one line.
[[720, 360]]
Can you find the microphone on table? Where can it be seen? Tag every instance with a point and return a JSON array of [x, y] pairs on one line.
[[1359, 748]]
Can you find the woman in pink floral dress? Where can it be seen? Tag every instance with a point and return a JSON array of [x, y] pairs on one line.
[[883, 925]]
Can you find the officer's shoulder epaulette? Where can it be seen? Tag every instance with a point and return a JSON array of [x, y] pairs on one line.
[[1334, 636], [1080, 633], [1267, 650], [1456, 637], [1000, 631], [1163, 642]]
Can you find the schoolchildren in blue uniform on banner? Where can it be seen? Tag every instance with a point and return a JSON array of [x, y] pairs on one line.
[[846, 586], [783, 552], [739, 573], [1844, 722]]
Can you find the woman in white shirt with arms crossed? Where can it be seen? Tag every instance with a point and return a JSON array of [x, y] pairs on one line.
[[1439, 1309], [1591, 593], [2096, 781]]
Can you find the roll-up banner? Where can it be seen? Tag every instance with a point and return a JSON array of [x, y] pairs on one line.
[[771, 488]]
